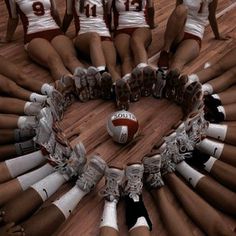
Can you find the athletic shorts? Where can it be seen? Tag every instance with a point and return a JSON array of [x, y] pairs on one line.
[[187, 36], [128, 31], [49, 35]]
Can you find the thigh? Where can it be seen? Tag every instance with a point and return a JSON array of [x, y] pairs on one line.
[[63, 46], [143, 36], [122, 44], [82, 43], [43, 55]]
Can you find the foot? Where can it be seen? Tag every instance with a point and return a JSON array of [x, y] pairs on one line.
[[75, 164], [133, 181], [152, 171], [159, 83], [122, 94], [113, 178], [211, 102], [92, 174], [171, 84], [67, 88], [57, 110], [106, 86], [93, 76], [135, 84], [149, 77], [43, 132], [81, 84]]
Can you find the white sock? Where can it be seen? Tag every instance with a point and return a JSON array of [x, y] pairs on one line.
[[221, 109], [142, 65], [26, 122], [47, 89], [32, 177], [32, 108], [141, 221], [190, 174], [193, 78], [109, 215], [207, 89], [20, 165], [47, 186], [67, 203], [101, 68], [217, 131], [209, 164], [210, 147], [35, 97]]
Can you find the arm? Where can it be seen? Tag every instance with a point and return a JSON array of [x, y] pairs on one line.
[[213, 21], [150, 14], [11, 28], [56, 16], [68, 16]]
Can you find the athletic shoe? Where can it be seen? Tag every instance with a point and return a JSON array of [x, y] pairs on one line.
[[47, 115], [197, 159], [133, 181], [92, 174], [214, 115], [167, 165], [180, 89], [106, 86], [163, 61], [152, 171], [113, 178], [43, 132], [135, 84], [122, 94], [75, 164], [57, 111], [159, 83], [93, 76], [212, 102], [172, 78], [81, 84], [68, 90], [149, 77]]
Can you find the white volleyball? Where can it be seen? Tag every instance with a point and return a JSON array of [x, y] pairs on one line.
[[122, 126]]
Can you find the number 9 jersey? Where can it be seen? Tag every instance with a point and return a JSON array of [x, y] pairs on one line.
[[36, 15], [92, 17]]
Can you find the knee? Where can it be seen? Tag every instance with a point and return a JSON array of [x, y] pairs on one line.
[[94, 38], [181, 11]]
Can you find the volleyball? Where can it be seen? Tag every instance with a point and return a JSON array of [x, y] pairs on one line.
[[122, 126]]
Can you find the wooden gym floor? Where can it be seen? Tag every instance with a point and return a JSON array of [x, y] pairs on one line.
[[156, 117]]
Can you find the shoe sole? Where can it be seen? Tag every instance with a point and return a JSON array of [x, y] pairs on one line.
[[122, 95], [135, 83], [106, 86], [93, 76], [148, 80], [159, 84]]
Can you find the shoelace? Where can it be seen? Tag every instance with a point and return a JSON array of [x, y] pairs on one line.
[[134, 186], [89, 178], [111, 189]]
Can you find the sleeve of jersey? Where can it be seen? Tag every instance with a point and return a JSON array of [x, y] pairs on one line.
[[69, 7], [11, 7]]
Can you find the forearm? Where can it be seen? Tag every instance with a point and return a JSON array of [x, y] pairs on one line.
[[150, 17], [11, 28], [66, 22], [214, 27]]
